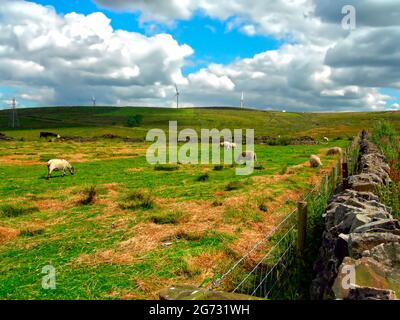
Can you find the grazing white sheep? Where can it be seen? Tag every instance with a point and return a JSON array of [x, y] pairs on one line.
[[315, 161], [59, 165], [228, 145], [247, 156], [334, 151]]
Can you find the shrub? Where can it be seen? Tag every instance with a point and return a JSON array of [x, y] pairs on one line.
[[234, 185], [203, 177], [390, 196], [135, 121], [46, 157], [138, 200], [168, 217], [89, 196], [166, 167], [280, 141], [189, 236], [385, 136], [263, 207], [217, 203], [32, 232], [11, 211]]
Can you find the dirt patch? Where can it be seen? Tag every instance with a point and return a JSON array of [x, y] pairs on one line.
[[148, 236], [206, 263], [7, 234], [133, 170], [270, 179], [18, 160], [106, 257], [54, 205]]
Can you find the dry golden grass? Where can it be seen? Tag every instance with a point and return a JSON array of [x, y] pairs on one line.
[[7, 234]]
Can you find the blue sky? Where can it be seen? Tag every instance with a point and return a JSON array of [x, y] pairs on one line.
[[301, 75]]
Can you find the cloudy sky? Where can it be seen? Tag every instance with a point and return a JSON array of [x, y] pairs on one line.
[[295, 55]]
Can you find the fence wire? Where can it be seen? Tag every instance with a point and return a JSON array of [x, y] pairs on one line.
[[265, 269]]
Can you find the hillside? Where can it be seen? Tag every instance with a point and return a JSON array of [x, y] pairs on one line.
[[100, 120]]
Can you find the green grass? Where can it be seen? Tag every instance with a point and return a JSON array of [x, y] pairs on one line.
[[137, 200], [166, 167], [11, 211], [169, 217], [234, 185], [203, 177], [131, 196], [74, 230], [89, 121]]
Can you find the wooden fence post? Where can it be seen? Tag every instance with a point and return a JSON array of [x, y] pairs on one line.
[[333, 179], [301, 226], [345, 174]]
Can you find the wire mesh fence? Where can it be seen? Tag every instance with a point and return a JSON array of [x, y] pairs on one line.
[[267, 269]]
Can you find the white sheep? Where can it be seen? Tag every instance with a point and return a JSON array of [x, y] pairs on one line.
[[247, 156], [315, 161], [228, 145], [334, 151], [59, 165]]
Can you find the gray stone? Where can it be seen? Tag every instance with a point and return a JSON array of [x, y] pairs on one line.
[[367, 293], [388, 254], [359, 220], [384, 225], [367, 182], [364, 272], [361, 242]]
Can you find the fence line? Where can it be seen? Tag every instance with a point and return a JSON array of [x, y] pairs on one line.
[[262, 279]]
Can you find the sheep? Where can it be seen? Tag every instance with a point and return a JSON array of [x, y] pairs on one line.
[[48, 135], [334, 151], [228, 145], [315, 161], [59, 165], [247, 156]]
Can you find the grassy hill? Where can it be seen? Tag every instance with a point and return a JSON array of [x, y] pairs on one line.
[[146, 228], [92, 121]]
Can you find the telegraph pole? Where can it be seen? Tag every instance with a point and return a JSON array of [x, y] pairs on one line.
[[14, 116]]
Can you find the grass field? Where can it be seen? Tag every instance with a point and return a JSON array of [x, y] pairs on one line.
[[86, 121], [143, 228]]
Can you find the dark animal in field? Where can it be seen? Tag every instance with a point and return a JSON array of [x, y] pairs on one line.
[[3, 137], [59, 165], [49, 135]]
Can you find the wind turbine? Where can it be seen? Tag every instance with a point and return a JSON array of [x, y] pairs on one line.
[[242, 101], [94, 101], [177, 96]]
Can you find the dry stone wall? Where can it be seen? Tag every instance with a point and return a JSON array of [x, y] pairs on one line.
[[360, 253]]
